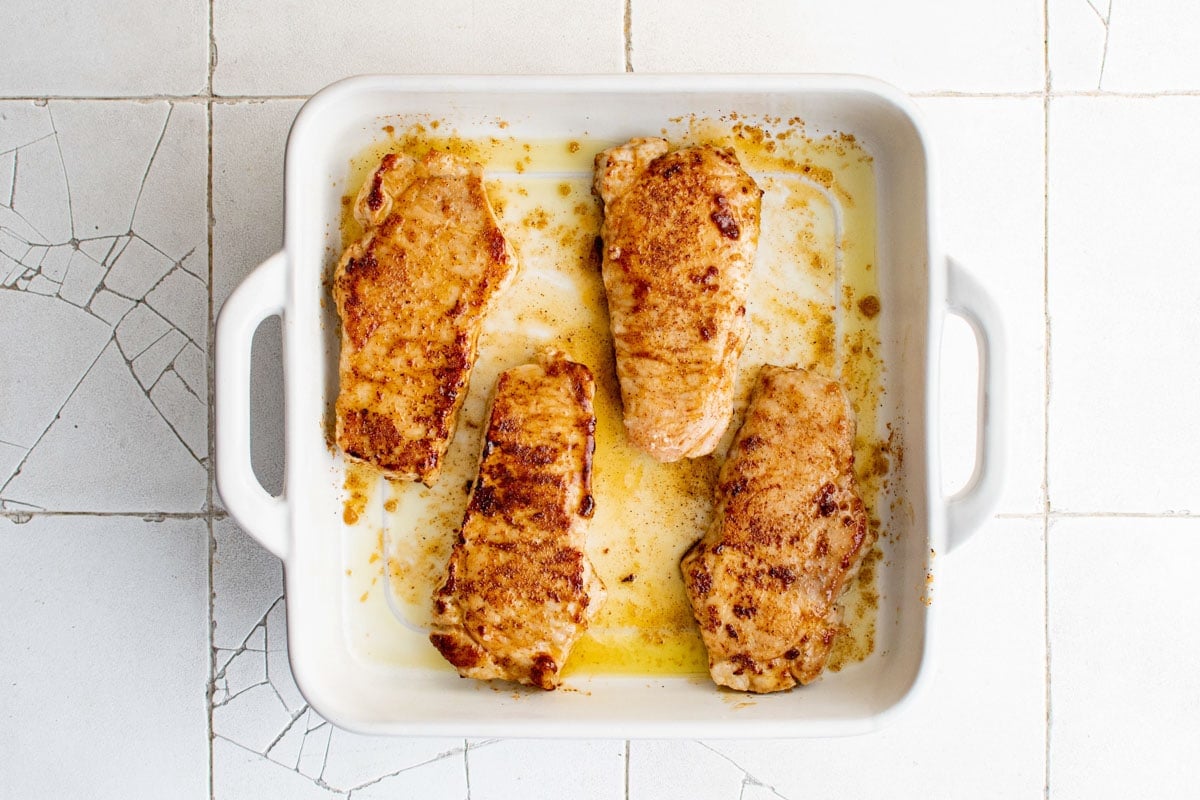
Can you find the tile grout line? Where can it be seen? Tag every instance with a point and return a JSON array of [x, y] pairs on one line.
[[1046, 509], [627, 749], [627, 30], [211, 363]]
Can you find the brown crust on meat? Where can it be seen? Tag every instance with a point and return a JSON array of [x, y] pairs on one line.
[[680, 233], [412, 295], [789, 535], [519, 585]]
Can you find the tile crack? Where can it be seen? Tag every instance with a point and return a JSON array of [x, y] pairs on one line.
[[1106, 21], [19, 147], [238, 693], [57, 414], [439, 757], [63, 161], [748, 778], [291, 724], [150, 164]]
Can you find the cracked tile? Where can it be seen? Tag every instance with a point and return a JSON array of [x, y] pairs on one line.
[[119, 245], [250, 634], [1104, 44], [314, 750], [356, 760], [927, 45], [191, 366], [22, 123], [1125, 634], [279, 669], [286, 749], [15, 227], [177, 222], [197, 264], [756, 791], [257, 640], [109, 450], [33, 258], [83, 276], [40, 284], [32, 327], [106, 643], [260, 57], [10, 270], [139, 329], [8, 166], [186, 413], [148, 366], [11, 456], [511, 767], [247, 580], [110, 307], [137, 269], [240, 774], [56, 261], [248, 668], [39, 194], [444, 779], [681, 769], [15, 247], [98, 249], [103, 191], [252, 719], [73, 199], [182, 299]]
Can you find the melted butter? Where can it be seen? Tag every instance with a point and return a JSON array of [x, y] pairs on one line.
[[811, 276]]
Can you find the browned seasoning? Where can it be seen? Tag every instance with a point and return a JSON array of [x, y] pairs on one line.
[[869, 306]]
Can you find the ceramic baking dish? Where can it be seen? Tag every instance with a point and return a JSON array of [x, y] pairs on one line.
[[917, 285]]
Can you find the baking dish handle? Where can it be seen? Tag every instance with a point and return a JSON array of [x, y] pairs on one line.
[[261, 295], [967, 510]]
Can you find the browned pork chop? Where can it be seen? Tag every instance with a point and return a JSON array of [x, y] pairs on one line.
[[412, 294], [519, 589], [680, 233], [789, 535]]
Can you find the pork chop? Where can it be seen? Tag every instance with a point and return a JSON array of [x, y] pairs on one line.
[[680, 233], [519, 588], [789, 536], [412, 294]]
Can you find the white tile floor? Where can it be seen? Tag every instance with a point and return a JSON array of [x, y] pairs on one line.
[[140, 179]]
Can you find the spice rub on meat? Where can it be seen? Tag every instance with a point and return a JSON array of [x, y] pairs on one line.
[[519, 588], [412, 294], [680, 233], [789, 535]]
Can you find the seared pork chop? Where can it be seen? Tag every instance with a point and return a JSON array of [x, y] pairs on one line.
[[680, 233], [789, 535], [519, 589], [412, 294]]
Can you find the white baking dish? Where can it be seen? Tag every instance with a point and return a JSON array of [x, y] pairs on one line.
[[305, 527]]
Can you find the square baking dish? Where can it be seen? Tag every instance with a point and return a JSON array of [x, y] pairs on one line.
[[306, 528]]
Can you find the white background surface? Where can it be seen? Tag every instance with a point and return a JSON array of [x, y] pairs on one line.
[[141, 640]]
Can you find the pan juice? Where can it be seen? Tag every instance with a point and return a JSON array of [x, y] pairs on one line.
[[813, 303]]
